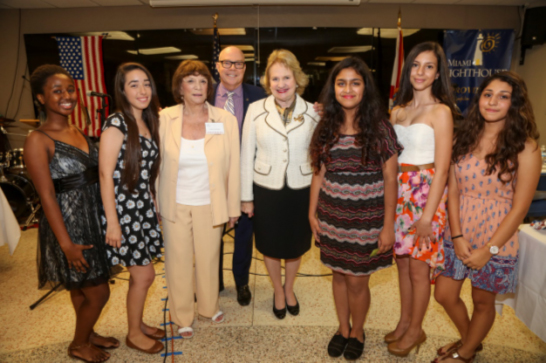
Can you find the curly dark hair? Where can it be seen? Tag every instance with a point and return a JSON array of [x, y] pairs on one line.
[[441, 87], [519, 127], [369, 117], [39, 77]]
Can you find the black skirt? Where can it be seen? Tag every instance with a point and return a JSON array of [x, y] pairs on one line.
[[281, 223]]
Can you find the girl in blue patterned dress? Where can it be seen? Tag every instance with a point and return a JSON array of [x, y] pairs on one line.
[[129, 163], [495, 169]]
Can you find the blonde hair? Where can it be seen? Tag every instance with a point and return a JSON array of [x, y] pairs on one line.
[[289, 60]]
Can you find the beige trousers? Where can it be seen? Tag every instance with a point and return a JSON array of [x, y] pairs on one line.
[[192, 235]]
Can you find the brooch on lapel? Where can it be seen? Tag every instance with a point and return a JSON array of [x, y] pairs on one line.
[[299, 118]]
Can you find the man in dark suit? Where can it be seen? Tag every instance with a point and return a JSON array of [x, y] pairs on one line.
[[234, 96]]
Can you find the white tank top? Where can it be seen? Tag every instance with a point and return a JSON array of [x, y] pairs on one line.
[[192, 186], [418, 143]]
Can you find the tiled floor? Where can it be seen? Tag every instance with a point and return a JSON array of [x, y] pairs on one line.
[[249, 334]]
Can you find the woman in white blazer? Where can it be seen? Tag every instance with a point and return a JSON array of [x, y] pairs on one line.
[[276, 173]]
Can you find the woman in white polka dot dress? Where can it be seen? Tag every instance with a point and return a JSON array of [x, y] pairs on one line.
[[128, 165]]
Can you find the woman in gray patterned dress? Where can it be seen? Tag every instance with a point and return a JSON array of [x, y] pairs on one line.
[[63, 165], [129, 162]]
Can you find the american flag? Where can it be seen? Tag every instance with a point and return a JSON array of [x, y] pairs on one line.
[[82, 58], [215, 54]]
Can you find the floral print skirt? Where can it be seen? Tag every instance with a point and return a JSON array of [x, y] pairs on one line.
[[413, 189]]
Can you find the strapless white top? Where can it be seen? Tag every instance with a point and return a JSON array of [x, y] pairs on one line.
[[418, 143]]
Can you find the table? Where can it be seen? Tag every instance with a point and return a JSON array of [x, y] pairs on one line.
[[9, 228], [529, 301]]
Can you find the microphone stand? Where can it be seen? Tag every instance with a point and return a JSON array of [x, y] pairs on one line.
[[102, 110]]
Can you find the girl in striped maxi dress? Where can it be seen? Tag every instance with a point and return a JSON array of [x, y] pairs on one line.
[[353, 195]]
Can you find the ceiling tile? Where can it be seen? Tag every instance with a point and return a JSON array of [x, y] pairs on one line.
[[438, 2], [117, 2], [493, 2], [391, 1], [26, 4], [72, 3]]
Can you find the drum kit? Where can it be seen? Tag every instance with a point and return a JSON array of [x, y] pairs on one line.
[[16, 183]]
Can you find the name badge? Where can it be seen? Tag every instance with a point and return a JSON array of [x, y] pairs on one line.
[[214, 128]]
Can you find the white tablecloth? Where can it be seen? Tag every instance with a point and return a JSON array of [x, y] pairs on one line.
[[10, 232], [529, 301]]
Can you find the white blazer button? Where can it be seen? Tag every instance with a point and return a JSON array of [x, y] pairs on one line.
[[284, 160]]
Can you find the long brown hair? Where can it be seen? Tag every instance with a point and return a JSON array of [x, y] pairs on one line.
[[368, 119], [441, 87], [150, 116], [519, 126]]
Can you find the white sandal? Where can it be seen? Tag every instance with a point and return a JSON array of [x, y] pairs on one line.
[[187, 329], [216, 316]]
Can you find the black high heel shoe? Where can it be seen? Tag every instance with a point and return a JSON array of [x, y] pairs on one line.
[[293, 309], [279, 313], [354, 348]]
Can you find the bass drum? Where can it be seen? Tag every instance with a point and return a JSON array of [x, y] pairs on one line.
[[15, 159], [20, 193]]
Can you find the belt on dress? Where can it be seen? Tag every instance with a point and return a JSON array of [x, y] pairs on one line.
[[88, 177], [406, 168]]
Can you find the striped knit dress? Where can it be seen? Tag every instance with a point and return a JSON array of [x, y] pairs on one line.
[[351, 207]]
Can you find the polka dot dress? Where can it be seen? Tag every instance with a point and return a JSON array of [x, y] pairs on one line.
[[141, 235]]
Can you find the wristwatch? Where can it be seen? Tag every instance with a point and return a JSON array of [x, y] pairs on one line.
[[494, 250]]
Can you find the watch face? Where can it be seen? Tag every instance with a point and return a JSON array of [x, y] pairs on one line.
[[494, 250]]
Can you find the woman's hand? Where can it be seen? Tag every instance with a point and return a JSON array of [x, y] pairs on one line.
[[248, 208], [478, 259], [113, 235], [319, 108], [232, 221], [386, 240], [463, 249], [74, 257], [423, 233], [315, 227]]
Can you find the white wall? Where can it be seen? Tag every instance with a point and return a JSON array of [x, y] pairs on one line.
[[36, 21]]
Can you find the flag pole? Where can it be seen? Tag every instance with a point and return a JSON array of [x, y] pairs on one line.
[[215, 50]]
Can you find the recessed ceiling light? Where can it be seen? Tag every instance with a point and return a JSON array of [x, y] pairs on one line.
[[115, 35], [162, 50], [132, 52], [353, 49], [390, 33], [182, 57], [331, 59], [317, 64], [221, 31]]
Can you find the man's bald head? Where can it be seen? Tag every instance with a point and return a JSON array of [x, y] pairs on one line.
[[231, 52], [231, 77]]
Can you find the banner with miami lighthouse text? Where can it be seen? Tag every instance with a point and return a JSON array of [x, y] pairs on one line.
[[473, 55]]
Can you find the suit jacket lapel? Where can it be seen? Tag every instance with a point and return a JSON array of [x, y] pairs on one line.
[[272, 117]]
